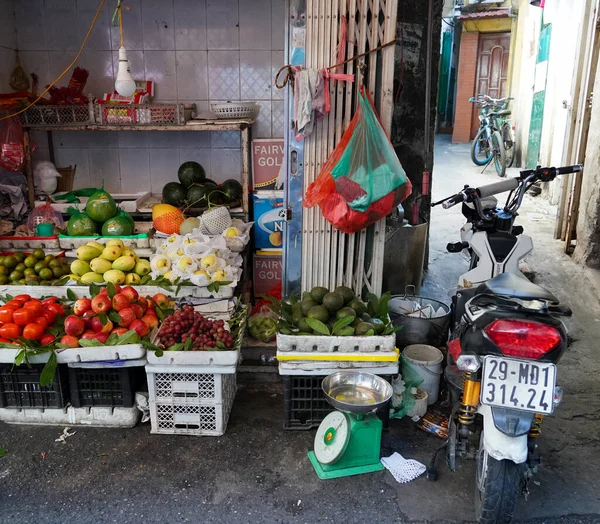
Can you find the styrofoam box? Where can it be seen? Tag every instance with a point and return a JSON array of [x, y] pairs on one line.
[[102, 417], [74, 355], [324, 344], [218, 361], [134, 241], [29, 243], [83, 291], [296, 367], [126, 201]]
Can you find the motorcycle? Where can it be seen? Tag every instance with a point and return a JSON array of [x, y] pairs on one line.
[[507, 337]]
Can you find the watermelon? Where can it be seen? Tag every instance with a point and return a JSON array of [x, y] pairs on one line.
[[174, 194], [191, 173], [81, 225], [101, 206], [117, 226], [232, 190], [199, 195]]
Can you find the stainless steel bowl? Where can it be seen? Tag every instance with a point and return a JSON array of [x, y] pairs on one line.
[[356, 392]]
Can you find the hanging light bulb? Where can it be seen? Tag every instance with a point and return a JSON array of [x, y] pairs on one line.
[[124, 84]]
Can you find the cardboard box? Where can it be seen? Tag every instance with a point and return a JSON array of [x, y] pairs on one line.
[[267, 160], [267, 273], [269, 219]]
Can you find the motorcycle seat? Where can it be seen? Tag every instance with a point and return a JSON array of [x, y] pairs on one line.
[[502, 112], [513, 286]]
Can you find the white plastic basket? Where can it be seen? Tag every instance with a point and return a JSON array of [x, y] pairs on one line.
[[101, 417], [187, 402], [235, 109]]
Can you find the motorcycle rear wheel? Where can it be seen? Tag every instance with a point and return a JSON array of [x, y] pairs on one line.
[[497, 487]]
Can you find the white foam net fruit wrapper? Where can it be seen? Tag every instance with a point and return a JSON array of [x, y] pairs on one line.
[[403, 470]]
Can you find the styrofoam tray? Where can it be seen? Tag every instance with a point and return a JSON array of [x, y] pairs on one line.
[[219, 360], [83, 291], [141, 241], [140, 252], [326, 368], [324, 344], [126, 201], [29, 243], [74, 355], [102, 417]]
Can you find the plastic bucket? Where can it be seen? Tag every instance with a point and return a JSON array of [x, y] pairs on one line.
[[426, 361]]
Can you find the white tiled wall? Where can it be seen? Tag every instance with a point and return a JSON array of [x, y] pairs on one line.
[[8, 41], [194, 50]]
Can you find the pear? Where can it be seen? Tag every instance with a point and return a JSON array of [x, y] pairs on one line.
[[208, 261], [124, 263], [115, 276], [116, 242], [142, 268], [100, 265], [111, 253], [218, 275], [80, 267], [87, 253]]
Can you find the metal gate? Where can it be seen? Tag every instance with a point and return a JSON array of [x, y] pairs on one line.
[[315, 253]]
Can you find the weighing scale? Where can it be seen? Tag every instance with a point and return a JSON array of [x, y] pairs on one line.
[[348, 441]]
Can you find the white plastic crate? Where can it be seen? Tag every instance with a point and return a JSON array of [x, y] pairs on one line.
[[184, 401], [323, 344], [141, 241], [101, 417]]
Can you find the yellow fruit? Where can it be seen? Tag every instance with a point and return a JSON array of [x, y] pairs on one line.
[[75, 278], [169, 275], [116, 242], [232, 232], [208, 261], [218, 275], [184, 263], [111, 253], [276, 239], [80, 267], [87, 253], [100, 265], [128, 253], [132, 278], [115, 276], [124, 263], [202, 272], [166, 218], [97, 245], [92, 278], [142, 268]]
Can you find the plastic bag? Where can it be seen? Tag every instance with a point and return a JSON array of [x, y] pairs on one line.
[[45, 214], [362, 181], [12, 152], [45, 177], [262, 324]]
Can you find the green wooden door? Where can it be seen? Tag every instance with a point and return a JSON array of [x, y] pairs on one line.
[[539, 96]]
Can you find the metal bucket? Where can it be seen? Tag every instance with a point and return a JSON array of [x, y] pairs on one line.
[[430, 331]]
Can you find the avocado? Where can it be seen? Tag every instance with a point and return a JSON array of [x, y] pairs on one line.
[[297, 307], [345, 312], [356, 321], [357, 305], [366, 317], [319, 312], [303, 325], [363, 328], [346, 292], [317, 294], [297, 316], [306, 296], [378, 325], [333, 301], [306, 305]]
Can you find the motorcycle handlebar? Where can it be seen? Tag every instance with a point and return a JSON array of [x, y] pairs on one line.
[[499, 187], [453, 200], [552, 171]]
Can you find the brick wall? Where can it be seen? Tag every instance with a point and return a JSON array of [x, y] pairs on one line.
[[467, 70]]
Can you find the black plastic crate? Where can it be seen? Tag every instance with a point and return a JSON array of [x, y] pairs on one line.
[[304, 403], [114, 387], [20, 387]]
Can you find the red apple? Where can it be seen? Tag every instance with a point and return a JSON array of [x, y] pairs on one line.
[[139, 312], [87, 316], [81, 306], [127, 316], [131, 293], [98, 327], [70, 340], [88, 335], [143, 303], [151, 320], [74, 325], [120, 301], [103, 291], [102, 337], [119, 331], [151, 303], [161, 300], [140, 327], [101, 304]]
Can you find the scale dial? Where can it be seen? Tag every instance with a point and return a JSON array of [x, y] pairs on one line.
[[332, 437]]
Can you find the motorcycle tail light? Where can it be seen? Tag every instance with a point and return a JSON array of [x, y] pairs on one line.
[[454, 348], [468, 363], [522, 338]]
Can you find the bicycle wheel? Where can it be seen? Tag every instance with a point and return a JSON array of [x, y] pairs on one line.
[[509, 144], [480, 149], [499, 153]]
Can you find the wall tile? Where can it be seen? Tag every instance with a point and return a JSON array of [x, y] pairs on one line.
[[104, 169], [190, 25], [194, 140], [224, 75], [31, 25], [163, 139], [100, 39], [225, 139], [61, 29], [37, 62], [132, 139], [158, 25], [262, 126], [40, 153], [222, 30], [255, 75], [132, 28], [225, 163], [255, 24], [192, 73], [278, 25], [79, 157], [135, 170], [91, 140], [100, 66], [164, 164], [136, 63], [277, 61], [277, 119], [8, 33], [160, 67], [202, 156]]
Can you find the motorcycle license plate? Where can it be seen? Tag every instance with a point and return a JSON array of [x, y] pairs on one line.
[[518, 384]]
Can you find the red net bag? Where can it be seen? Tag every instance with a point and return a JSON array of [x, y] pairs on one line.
[[12, 152]]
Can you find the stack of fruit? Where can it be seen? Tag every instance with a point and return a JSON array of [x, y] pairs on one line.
[[101, 216], [100, 317], [200, 334], [339, 312], [32, 270], [110, 262], [30, 319]]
